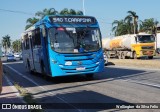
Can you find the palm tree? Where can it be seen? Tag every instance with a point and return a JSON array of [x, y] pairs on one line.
[[149, 25], [115, 26], [45, 12], [6, 42], [132, 18], [16, 45], [120, 27], [30, 22], [51, 11], [79, 13], [67, 11]]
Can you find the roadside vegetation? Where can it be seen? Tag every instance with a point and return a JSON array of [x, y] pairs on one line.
[[132, 25], [6, 42], [143, 63], [16, 45], [27, 97], [51, 11]]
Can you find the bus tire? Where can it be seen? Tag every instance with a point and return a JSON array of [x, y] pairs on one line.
[[123, 55]]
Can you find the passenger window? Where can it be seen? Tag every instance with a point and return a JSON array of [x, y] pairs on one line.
[[38, 38], [26, 42]]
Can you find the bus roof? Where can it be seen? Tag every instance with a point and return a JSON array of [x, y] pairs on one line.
[[58, 20]]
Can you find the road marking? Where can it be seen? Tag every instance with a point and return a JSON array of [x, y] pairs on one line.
[[126, 67], [144, 83], [51, 93], [12, 62]]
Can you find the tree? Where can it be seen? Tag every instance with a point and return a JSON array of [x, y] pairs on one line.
[[45, 12], [132, 18], [120, 27], [16, 45], [6, 42], [149, 25], [30, 22], [67, 11], [51, 11]]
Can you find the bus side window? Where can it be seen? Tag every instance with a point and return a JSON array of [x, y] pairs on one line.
[[33, 38], [37, 38], [26, 42]]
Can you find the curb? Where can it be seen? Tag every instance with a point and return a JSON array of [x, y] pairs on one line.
[[14, 88]]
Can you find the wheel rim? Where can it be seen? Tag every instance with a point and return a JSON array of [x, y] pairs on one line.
[[135, 56], [123, 57]]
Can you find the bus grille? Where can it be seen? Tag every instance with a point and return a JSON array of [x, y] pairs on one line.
[[87, 60]]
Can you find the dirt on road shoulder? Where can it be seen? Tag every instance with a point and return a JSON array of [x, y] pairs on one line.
[[155, 64]]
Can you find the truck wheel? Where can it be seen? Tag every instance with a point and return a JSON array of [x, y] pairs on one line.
[[122, 55], [134, 55], [119, 56], [107, 54], [150, 57]]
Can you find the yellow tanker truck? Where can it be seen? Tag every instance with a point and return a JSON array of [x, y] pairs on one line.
[[130, 46]]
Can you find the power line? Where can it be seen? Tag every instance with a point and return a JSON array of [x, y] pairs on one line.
[[20, 12]]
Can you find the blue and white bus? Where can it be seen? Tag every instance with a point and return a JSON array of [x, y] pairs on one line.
[[63, 45]]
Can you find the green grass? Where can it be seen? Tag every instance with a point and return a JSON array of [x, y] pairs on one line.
[[27, 97]]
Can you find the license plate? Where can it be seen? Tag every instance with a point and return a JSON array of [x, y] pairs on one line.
[[80, 68]]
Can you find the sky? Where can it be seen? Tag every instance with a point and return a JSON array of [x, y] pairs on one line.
[[106, 11]]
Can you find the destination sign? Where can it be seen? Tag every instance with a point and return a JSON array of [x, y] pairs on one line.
[[72, 19]]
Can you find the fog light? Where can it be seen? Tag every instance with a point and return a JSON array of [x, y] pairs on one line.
[[97, 63], [61, 65], [54, 61]]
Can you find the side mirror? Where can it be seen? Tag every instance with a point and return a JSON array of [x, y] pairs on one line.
[[44, 31]]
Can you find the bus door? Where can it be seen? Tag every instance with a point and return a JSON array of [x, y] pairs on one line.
[[31, 58], [26, 51], [37, 50]]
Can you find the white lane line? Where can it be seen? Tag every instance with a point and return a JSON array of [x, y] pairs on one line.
[[12, 62], [51, 93], [136, 68], [14, 89], [144, 83]]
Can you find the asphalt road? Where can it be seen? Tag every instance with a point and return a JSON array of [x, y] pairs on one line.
[[114, 85]]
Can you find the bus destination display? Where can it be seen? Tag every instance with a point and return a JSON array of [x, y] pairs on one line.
[[78, 20]]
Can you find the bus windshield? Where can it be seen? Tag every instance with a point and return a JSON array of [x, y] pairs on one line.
[[75, 40], [146, 38]]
